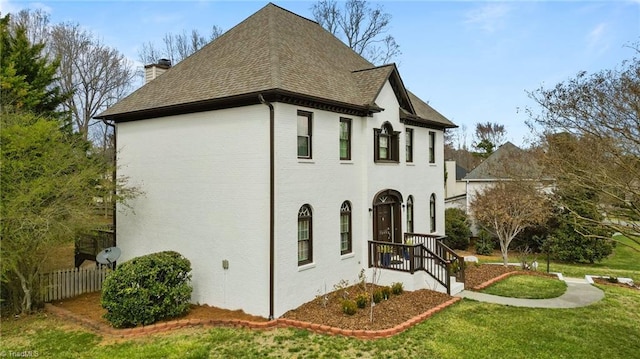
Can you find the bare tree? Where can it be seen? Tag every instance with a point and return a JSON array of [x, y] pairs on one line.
[[591, 132], [360, 26], [97, 75], [36, 22], [509, 207], [177, 47]]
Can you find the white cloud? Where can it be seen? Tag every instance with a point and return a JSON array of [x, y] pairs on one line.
[[596, 38], [489, 17], [7, 7]]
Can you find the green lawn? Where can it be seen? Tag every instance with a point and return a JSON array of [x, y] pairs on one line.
[[527, 286], [623, 262], [468, 329]]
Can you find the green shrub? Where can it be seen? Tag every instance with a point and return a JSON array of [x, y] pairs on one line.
[[484, 248], [484, 245], [456, 226], [386, 292], [397, 288], [361, 300], [147, 289], [377, 296], [349, 307]]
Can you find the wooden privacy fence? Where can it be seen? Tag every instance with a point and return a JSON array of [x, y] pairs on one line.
[[67, 283]]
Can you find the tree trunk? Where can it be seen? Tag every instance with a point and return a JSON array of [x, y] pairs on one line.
[[26, 301], [504, 250]]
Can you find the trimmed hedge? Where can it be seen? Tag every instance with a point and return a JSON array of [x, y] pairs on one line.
[[147, 289]]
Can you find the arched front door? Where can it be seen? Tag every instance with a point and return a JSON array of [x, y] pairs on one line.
[[387, 219]]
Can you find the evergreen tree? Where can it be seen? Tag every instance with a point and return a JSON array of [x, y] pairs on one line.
[[27, 75]]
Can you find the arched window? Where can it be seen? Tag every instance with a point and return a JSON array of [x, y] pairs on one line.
[[410, 214], [386, 144], [432, 212], [345, 228], [305, 235]]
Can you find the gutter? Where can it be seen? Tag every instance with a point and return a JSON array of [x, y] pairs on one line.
[[271, 202], [114, 174]]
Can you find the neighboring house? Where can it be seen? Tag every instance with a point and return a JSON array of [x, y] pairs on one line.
[[506, 163], [277, 160], [455, 189]]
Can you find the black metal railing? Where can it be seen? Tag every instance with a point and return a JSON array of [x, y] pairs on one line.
[[419, 252]]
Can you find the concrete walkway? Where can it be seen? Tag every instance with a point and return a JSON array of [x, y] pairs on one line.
[[579, 294]]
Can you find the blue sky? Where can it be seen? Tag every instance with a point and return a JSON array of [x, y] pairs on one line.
[[473, 61]]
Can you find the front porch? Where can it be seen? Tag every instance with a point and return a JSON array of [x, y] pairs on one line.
[[420, 252]]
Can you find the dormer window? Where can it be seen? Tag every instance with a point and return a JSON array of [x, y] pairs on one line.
[[386, 144]]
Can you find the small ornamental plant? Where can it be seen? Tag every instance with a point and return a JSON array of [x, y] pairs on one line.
[[361, 300], [377, 296], [349, 307], [386, 292], [397, 288]]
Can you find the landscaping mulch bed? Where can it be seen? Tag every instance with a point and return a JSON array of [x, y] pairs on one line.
[[605, 281], [386, 314]]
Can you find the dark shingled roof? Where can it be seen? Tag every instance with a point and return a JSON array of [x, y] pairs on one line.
[[506, 162], [273, 50]]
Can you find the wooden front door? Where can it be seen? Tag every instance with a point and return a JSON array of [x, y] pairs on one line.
[[384, 221], [387, 219]]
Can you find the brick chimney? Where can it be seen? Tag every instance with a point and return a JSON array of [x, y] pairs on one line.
[[154, 70]]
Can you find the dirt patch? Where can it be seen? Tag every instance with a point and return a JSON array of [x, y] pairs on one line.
[[389, 313], [88, 306]]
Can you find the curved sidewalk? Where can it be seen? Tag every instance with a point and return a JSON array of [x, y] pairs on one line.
[[579, 294]]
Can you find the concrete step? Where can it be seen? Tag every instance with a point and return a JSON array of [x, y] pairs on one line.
[[456, 287]]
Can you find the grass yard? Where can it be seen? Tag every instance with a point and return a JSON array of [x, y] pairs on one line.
[[468, 329], [623, 262], [528, 286]]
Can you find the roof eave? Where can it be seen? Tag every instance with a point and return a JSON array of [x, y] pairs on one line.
[[419, 121], [272, 95]]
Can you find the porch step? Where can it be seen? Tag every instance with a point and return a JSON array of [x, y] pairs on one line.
[[456, 287]]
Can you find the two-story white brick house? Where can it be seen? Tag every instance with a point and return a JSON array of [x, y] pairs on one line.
[[274, 159]]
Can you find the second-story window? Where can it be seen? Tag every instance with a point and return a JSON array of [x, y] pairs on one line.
[[409, 141], [432, 147], [385, 144], [345, 139], [304, 134]]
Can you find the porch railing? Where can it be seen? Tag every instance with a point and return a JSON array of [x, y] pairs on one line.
[[419, 252]]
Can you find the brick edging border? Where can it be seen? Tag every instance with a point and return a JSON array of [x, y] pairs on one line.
[[493, 280], [104, 329]]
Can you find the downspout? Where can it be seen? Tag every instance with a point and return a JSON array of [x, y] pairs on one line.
[[271, 202], [114, 175]]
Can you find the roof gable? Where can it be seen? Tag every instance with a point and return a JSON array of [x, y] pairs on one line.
[[506, 162]]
